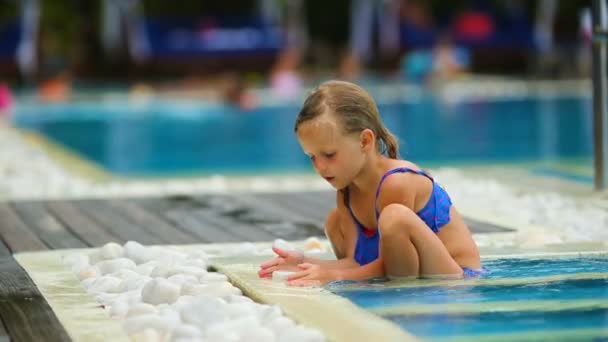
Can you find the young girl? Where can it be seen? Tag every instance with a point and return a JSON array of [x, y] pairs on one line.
[[391, 217]]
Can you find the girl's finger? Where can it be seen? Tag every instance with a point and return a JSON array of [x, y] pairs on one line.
[[267, 272], [304, 266], [270, 263], [298, 275], [280, 252]]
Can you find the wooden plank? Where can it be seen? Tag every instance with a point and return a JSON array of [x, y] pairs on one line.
[[254, 209], [17, 236], [110, 219], [24, 311], [88, 230], [150, 221], [281, 221], [206, 232], [4, 250], [3, 333], [47, 227], [178, 211], [296, 203], [246, 232]]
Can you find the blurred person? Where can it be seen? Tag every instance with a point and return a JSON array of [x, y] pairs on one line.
[[285, 77], [56, 89], [364, 16], [392, 219], [26, 54], [6, 102], [124, 18], [234, 92], [285, 80], [449, 61]]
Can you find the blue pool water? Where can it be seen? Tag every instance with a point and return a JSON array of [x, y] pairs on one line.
[[517, 296], [168, 137]]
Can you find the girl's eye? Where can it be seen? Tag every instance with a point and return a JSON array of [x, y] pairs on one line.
[[329, 155]]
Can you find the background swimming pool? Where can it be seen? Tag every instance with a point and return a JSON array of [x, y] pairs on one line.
[[165, 137], [520, 299]]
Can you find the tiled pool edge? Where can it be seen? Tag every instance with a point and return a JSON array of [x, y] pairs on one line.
[[78, 311], [334, 317], [65, 158], [338, 318]]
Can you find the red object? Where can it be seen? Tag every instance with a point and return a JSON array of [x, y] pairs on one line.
[[474, 25], [6, 99]]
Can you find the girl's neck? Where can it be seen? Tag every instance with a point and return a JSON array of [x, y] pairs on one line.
[[367, 180]]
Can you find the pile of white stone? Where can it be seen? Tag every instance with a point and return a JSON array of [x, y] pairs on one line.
[[162, 294]]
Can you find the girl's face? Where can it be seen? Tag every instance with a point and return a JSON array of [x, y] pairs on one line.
[[337, 157]]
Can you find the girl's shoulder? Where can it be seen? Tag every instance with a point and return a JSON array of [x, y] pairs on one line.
[[412, 178]]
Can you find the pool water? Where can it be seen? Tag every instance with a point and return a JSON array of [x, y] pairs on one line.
[[519, 299], [162, 137]]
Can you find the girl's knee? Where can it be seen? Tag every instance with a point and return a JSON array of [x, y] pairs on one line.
[[395, 218]]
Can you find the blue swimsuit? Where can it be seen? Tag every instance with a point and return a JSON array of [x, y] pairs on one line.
[[436, 214]]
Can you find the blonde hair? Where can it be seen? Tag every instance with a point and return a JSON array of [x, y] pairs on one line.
[[355, 109]]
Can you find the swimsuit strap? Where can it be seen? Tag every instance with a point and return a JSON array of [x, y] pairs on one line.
[[347, 203], [390, 172]]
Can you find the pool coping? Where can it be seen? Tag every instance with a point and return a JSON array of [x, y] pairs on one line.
[[83, 320]]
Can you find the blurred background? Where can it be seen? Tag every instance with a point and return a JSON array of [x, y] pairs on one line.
[[166, 88]]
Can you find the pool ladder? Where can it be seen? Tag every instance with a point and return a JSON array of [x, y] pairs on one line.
[[600, 92]]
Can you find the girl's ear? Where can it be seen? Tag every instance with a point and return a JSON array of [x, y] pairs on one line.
[[367, 138]]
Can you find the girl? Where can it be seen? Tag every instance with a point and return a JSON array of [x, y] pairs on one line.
[[391, 217]]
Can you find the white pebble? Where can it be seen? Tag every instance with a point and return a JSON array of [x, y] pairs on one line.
[[212, 277], [280, 325], [281, 276], [204, 311], [194, 289], [138, 323], [181, 279], [104, 284], [261, 334], [114, 265], [119, 308], [133, 283], [141, 309], [138, 253], [186, 331], [160, 290], [146, 268], [112, 250]]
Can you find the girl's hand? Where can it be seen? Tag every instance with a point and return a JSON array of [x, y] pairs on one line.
[[285, 261], [311, 275]]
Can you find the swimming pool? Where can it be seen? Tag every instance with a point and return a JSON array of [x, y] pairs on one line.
[[520, 299], [168, 137]]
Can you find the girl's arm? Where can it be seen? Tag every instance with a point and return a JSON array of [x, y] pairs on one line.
[[332, 264], [372, 270], [311, 274]]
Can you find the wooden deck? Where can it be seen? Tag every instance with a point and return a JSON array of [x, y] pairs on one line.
[[44, 225]]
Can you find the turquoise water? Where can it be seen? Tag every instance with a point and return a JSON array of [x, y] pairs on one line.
[[518, 298], [170, 137]]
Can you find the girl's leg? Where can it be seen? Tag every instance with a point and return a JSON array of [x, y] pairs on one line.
[[409, 247], [334, 234]]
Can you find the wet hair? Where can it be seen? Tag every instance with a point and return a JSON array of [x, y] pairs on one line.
[[355, 110]]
